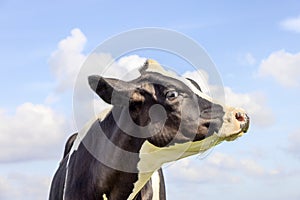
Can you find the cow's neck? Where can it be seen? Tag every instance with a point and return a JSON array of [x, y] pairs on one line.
[[118, 150], [120, 130], [123, 138]]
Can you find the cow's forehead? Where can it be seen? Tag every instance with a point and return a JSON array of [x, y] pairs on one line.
[[153, 66]]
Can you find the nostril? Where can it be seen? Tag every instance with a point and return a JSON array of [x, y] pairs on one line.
[[239, 116], [243, 120]]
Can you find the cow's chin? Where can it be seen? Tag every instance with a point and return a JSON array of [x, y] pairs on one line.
[[228, 136], [176, 137], [231, 132], [199, 136], [207, 128], [204, 133]]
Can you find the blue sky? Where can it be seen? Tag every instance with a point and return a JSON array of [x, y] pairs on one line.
[[254, 45]]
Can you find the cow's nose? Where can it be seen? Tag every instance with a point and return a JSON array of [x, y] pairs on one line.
[[243, 119]]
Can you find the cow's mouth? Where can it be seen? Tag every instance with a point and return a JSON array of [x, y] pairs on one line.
[[232, 125], [207, 128], [211, 120]]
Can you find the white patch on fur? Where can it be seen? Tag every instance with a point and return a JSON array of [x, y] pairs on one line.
[[139, 184], [153, 157], [155, 181], [104, 197]]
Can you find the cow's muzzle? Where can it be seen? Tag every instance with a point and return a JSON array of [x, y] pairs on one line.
[[235, 123]]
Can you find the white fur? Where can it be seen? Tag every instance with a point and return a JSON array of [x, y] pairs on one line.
[[153, 157], [155, 180], [104, 197]]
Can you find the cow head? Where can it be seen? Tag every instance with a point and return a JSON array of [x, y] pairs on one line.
[[167, 109]]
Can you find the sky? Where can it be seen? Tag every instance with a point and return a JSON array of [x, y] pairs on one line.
[[255, 46]]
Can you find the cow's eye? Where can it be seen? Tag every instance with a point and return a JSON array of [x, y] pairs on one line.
[[171, 95]]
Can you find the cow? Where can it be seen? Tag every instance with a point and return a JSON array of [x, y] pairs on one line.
[[156, 118]]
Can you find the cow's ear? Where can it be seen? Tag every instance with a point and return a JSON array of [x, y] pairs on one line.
[[114, 91]]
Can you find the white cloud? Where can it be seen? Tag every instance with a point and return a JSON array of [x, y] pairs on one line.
[[225, 162], [291, 24], [35, 130], [193, 170], [32, 132], [254, 103], [201, 77], [218, 168], [253, 168], [126, 68], [283, 67], [131, 62], [230, 177], [67, 59]]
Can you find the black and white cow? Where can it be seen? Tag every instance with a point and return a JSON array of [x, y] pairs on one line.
[[156, 118]]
